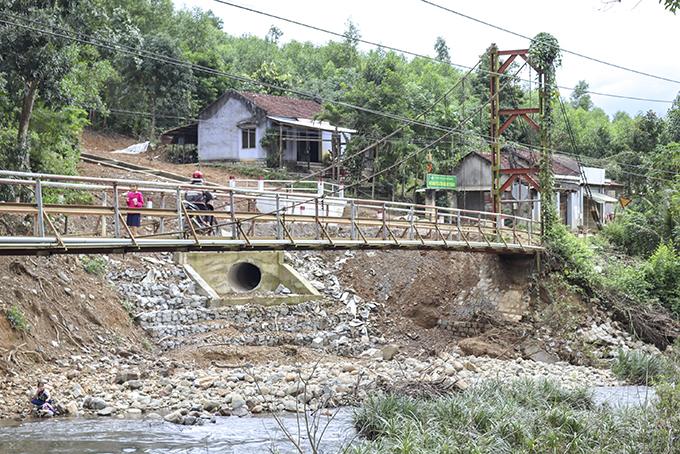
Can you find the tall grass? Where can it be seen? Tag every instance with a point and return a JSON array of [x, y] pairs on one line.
[[521, 416], [640, 368]]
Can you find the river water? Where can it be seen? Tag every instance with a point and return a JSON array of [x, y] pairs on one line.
[[249, 435]]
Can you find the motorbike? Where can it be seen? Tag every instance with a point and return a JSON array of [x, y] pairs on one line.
[[204, 224]]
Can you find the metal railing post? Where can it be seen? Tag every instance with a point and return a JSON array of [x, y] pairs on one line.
[[234, 233], [179, 213], [352, 235], [412, 215], [38, 202], [458, 234], [316, 216], [161, 222], [498, 227], [278, 218], [384, 219], [103, 218], [116, 211]]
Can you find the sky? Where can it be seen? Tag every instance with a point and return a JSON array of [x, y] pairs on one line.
[[635, 34]]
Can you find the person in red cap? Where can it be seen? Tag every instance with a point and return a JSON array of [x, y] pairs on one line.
[[202, 199]]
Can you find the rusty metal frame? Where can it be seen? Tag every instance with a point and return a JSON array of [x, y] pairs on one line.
[[497, 69], [59, 240]]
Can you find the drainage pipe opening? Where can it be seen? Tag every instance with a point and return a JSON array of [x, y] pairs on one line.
[[244, 277]]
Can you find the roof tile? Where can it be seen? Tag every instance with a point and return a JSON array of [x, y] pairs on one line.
[[279, 106]]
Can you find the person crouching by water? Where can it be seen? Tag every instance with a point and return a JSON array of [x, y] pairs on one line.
[[41, 396], [135, 199]]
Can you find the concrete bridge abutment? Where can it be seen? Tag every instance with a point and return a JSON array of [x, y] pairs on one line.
[[233, 278]]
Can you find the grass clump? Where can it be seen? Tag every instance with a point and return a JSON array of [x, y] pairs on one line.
[[94, 264], [147, 345], [639, 368], [17, 319], [522, 416]]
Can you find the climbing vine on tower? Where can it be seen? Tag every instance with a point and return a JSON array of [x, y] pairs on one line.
[[545, 57]]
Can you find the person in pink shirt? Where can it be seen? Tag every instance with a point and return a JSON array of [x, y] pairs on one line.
[[135, 199]]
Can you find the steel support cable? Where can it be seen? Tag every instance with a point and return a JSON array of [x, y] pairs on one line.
[[563, 50], [460, 124], [581, 168], [138, 52], [164, 59], [409, 123]]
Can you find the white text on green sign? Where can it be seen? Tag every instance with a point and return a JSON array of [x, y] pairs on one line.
[[441, 181]]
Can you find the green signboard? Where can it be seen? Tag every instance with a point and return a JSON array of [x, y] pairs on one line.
[[441, 181]]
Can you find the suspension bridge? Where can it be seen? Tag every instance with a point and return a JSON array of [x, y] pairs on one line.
[[251, 216]]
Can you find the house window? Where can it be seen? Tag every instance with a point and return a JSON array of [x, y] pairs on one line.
[[248, 138]]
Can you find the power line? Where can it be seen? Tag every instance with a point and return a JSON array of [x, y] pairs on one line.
[[164, 59], [312, 27], [133, 113], [563, 50]]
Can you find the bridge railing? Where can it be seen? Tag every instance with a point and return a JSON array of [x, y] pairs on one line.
[[286, 217]]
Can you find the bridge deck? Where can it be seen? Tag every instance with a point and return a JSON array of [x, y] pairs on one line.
[[250, 219]]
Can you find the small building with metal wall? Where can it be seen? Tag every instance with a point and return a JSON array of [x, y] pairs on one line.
[[575, 208]]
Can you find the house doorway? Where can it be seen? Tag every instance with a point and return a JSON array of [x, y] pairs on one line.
[[308, 142]]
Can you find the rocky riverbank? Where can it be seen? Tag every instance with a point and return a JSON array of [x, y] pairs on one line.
[[130, 383], [337, 352]]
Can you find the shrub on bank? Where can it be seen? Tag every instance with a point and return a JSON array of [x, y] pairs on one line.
[[523, 416], [640, 368]]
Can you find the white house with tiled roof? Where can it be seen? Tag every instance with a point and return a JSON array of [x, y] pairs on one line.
[[231, 128]]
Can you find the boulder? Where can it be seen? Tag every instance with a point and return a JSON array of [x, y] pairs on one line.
[[388, 352], [211, 405], [94, 403], [135, 384], [174, 417], [189, 420], [241, 412], [122, 377], [108, 411]]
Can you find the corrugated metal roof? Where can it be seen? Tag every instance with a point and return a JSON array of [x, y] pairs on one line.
[[312, 124], [602, 198]]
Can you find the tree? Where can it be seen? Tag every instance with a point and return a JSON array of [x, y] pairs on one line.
[[673, 121], [648, 132], [35, 61], [579, 97], [671, 5], [442, 49], [274, 34], [270, 74]]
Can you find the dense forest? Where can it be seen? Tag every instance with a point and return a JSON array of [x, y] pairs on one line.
[[141, 66]]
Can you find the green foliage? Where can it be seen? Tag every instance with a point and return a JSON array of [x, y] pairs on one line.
[[574, 255], [146, 345], [270, 142], [17, 319], [94, 264], [632, 232], [671, 5], [662, 273], [521, 416], [580, 99], [640, 368]]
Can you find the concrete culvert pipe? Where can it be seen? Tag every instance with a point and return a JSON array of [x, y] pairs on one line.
[[244, 277]]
